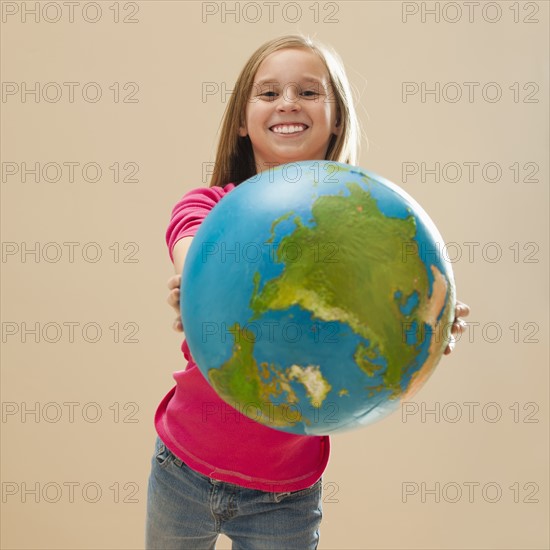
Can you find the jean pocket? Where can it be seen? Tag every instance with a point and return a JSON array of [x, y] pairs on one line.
[[163, 455], [278, 497]]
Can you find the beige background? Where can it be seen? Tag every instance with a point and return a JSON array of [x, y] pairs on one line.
[[170, 132]]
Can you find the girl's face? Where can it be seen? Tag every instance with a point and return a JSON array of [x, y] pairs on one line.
[[291, 112]]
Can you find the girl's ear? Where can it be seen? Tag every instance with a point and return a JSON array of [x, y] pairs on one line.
[[337, 129], [242, 131]]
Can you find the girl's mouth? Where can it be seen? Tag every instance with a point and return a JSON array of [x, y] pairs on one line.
[[289, 128]]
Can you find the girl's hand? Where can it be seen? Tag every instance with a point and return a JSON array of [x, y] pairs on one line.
[[459, 326], [174, 300]]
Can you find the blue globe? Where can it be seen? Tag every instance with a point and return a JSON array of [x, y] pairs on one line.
[[314, 297]]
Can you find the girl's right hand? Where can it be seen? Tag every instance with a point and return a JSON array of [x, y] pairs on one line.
[[174, 300]]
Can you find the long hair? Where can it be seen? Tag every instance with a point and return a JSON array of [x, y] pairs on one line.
[[235, 158]]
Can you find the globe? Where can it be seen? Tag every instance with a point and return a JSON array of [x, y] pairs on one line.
[[315, 298]]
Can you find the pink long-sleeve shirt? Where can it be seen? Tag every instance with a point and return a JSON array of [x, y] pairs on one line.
[[208, 434]]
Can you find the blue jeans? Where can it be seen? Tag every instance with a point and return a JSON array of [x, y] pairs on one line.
[[187, 510]]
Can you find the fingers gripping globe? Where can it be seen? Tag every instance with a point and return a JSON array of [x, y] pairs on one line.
[[314, 299]]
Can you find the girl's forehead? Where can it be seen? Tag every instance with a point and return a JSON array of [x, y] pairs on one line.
[[292, 63]]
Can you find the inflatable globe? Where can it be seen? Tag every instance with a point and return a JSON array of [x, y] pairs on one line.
[[315, 299]]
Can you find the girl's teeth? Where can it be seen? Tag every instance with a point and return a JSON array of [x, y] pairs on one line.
[[288, 129]]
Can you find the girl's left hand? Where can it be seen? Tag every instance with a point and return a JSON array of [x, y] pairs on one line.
[[459, 326]]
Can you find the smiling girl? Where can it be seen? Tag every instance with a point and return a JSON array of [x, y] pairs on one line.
[[214, 470]]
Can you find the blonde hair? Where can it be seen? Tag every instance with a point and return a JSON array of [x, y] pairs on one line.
[[235, 158]]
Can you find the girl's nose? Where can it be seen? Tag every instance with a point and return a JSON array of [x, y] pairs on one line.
[[290, 99]]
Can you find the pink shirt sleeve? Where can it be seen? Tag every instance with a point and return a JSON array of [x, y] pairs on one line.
[[191, 210]]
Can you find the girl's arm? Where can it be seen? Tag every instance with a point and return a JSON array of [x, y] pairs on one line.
[[179, 252]]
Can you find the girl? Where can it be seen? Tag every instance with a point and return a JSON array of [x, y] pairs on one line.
[[214, 470]]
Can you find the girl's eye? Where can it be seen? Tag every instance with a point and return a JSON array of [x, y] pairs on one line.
[[270, 94]]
